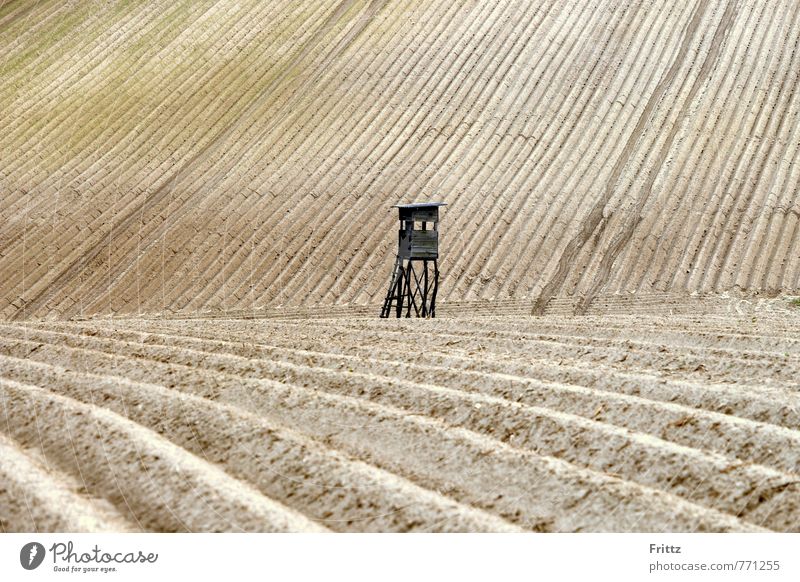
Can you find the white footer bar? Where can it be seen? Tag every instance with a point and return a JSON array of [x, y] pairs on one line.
[[379, 557]]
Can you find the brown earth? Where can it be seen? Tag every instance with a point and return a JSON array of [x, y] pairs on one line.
[[195, 237], [189, 156], [492, 423]]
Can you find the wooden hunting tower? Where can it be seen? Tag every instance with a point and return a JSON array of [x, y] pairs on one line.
[[418, 241]]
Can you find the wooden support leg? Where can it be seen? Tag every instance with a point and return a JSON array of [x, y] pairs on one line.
[[425, 312], [400, 290], [435, 287], [409, 268]]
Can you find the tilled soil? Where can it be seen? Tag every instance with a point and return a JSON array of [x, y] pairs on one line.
[[188, 156], [222, 173], [504, 423]]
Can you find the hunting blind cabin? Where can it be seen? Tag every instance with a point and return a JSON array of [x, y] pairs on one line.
[[418, 242]]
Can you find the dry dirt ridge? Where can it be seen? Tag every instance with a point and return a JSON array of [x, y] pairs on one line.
[[210, 155], [505, 423]]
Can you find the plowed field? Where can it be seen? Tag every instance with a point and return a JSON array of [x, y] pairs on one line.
[[478, 424], [195, 155], [196, 235]]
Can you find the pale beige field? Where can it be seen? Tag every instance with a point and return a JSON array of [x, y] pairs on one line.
[[494, 423], [196, 235]]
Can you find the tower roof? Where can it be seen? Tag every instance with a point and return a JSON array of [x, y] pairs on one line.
[[420, 205]]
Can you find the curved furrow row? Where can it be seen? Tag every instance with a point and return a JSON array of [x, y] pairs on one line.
[[758, 120], [342, 493], [779, 326], [487, 91], [745, 335], [768, 405], [710, 44], [181, 210], [742, 117], [65, 193], [176, 39], [640, 341], [649, 237], [654, 355], [58, 199], [149, 480], [737, 437], [540, 215], [536, 381], [738, 332], [223, 72], [64, 85], [337, 106], [638, 331], [626, 170], [524, 487], [561, 62], [718, 123], [36, 497], [766, 269], [116, 134], [704, 36], [663, 362], [648, 460], [36, 44], [15, 19], [779, 127], [771, 317]]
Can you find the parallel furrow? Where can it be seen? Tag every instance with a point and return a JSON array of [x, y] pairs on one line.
[[523, 486], [35, 497], [148, 479], [544, 430]]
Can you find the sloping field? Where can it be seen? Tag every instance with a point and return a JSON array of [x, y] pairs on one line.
[[217, 176], [209, 155], [491, 423]]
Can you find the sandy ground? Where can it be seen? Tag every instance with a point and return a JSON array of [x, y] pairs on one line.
[[196, 235], [504, 423], [197, 155]]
